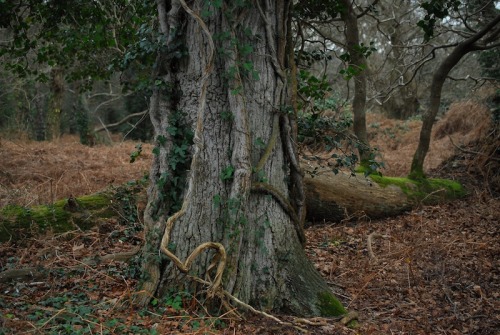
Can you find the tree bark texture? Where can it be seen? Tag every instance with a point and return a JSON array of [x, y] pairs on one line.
[[225, 76]]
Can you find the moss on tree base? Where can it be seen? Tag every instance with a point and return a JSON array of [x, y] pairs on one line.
[[329, 305]]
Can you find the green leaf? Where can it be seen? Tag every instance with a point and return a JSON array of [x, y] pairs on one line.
[[217, 200], [246, 50], [227, 173], [259, 143]]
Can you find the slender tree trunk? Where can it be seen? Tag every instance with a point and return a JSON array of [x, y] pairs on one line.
[[81, 110], [40, 115], [357, 60], [429, 117], [55, 104], [466, 46], [225, 96]]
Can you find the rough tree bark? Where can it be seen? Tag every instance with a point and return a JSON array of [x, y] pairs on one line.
[[225, 74], [485, 38], [333, 198]]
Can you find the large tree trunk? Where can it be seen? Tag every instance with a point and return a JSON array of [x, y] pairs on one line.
[[236, 192]]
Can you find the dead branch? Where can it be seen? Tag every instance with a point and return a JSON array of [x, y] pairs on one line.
[[116, 124], [473, 152], [369, 242]]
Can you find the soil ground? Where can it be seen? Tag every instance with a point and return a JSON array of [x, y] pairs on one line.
[[434, 270]]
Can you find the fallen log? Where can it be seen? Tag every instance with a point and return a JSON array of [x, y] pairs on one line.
[[332, 198], [329, 198], [335, 197], [81, 213]]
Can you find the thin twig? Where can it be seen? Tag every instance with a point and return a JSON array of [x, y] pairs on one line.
[[473, 152]]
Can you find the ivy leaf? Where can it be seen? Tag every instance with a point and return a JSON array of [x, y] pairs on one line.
[[260, 143], [227, 173]]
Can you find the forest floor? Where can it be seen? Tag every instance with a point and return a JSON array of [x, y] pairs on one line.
[[433, 270]]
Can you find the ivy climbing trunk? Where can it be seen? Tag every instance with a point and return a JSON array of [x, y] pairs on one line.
[[225, 163]]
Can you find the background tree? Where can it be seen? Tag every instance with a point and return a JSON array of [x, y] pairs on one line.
[[81, 43], [393, 86], [484, 35], [357, 53], [317, 39]]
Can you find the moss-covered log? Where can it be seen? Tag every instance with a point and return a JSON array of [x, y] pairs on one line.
[[68, 214], [330, 198], [333, 197]]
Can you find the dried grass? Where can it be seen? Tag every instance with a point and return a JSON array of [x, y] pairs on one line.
[[470, 119], [397, 140], [33, 173]]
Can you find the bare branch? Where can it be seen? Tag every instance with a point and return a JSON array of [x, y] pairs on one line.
[[125, 119]]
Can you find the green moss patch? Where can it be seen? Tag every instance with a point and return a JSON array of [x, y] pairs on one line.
[[427, 191], [366, 170], [18, 221], [329, 305]]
